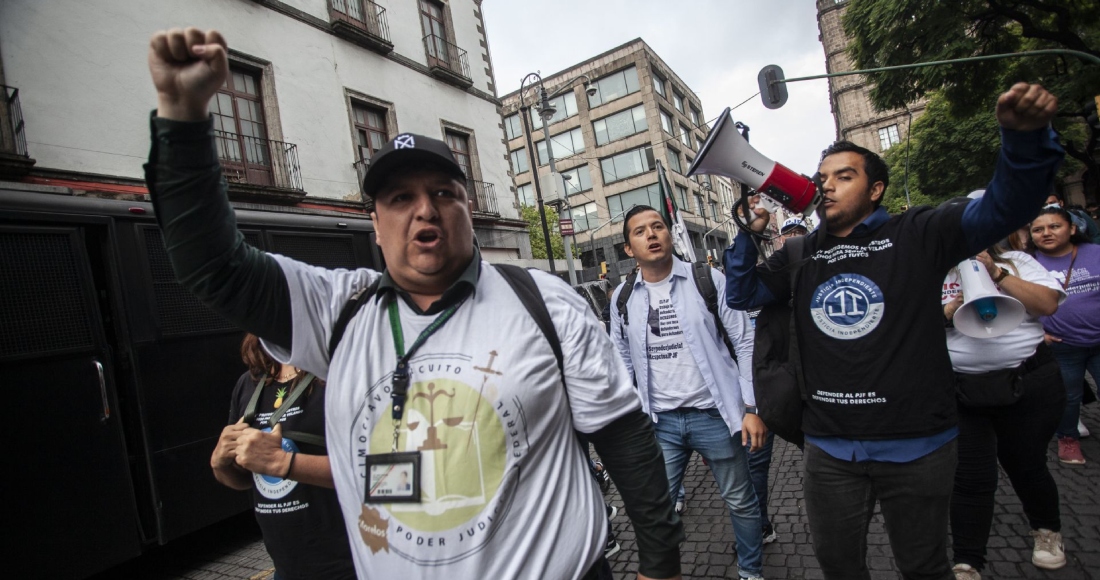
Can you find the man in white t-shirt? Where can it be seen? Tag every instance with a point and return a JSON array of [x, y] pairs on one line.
[[441, 374], [698, 396]]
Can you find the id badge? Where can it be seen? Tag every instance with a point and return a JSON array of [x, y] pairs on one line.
[[393, 478]]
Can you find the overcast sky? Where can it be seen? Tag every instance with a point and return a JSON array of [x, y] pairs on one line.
[[716, 46]]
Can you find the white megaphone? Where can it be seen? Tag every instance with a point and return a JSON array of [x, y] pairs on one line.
[[986, 313], [727, 153]]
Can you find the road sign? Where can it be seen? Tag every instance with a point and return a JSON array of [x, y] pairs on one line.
[[565, 225]]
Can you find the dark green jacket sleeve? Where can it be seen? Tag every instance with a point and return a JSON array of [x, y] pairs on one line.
[[208, 254], [629, 450]]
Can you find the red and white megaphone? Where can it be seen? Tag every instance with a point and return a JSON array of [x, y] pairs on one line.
[[727, 153]]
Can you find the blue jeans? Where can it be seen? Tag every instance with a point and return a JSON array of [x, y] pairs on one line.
[[759, 463], [703, 431], [1074, 361]]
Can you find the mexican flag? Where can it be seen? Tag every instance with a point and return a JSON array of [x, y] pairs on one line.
[[681, 242]]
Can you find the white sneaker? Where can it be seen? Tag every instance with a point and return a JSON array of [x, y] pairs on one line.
[[1049, 553], [965, 572], [1082, 431], [679, 506]]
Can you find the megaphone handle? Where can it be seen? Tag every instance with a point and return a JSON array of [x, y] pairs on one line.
[[744, 202]]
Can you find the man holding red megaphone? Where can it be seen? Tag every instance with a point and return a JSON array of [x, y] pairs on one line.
[[879, 411]]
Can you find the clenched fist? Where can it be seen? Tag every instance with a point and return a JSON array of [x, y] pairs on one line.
[[188, 66], [1026, 107]]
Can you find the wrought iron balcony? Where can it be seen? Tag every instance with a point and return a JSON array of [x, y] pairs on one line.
[[447, 61], [362, 22], [12, 136], [361, 170], [258, 162], [483, 195]]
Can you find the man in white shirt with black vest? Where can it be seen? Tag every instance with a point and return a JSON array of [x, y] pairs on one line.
[[440, 374], [700, 399]]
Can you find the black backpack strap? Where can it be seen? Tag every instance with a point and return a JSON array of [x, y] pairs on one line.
[[307, 438], [524, 286], [351, 308], [705, 285], [796, 257], [624, 297], [250, 408]]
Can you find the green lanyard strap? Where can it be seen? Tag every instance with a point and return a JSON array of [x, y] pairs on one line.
[[401, 373]]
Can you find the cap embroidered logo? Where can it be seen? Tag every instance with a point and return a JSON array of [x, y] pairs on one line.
[[404, 142]]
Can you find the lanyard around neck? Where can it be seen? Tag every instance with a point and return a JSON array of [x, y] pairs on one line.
[[1069, 271], [401, 373]]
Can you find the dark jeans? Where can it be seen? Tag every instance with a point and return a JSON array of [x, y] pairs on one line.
[[1018, 435], [914, 497], [1074, 361], [601, 570], [759, 463]]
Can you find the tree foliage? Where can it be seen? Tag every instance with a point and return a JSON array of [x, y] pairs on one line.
[[954, 144], [534, 227]]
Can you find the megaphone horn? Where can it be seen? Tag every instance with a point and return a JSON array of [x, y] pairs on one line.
[[726, 153], [986, 313]]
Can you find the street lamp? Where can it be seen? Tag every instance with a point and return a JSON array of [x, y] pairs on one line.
[[546, 112]]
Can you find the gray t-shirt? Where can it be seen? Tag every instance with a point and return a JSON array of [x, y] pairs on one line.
[[506, 492]]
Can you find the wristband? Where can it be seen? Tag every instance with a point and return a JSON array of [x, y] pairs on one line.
[[290, 465], [750, 409], [1001, 276]]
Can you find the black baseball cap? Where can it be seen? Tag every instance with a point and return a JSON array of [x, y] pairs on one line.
[[409, 148]]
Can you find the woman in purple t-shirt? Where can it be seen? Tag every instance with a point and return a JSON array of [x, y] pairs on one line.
[[1074, 331]]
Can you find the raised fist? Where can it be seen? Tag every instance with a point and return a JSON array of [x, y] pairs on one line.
[[1026, 107], [188, 66]]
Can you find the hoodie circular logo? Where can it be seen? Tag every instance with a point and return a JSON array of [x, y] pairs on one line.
[[847, 306]]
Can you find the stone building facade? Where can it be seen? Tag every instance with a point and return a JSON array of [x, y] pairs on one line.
[[608, 145], [849, 96], [316, 87]]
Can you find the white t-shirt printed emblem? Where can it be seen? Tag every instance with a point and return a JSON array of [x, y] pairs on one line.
[[675, 380]]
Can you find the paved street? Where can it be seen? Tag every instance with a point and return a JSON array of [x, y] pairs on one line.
[[233, 550]]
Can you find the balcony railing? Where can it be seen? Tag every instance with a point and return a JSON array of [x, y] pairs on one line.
[[13, 138], [361, 170], [483, 195], [447, 61], [363, 22], [260, 162]]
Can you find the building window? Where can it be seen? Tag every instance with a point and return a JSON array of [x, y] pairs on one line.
[[700, 209], [888, 137], [714, 211], [614, 86], [592, 258], [685, 136], [513, 126], [666, 122], [434, 24], [674, 160], [460, 148], [698, 143], [678, 101], [620, 252], [564, 145], [659, 85], [695, 117], [370, 130], [618, 205], [519, 161], [526, 195], [239, 128], [577, 180], [682, 197], [620, 125], [627, 164], [583, 216], [689, 161], [565, 106]]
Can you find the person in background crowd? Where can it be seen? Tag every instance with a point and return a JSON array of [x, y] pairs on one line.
[[881, 419], [699, 398], [793, 227], [284, 468], [1074, 331], [1086, 225], [1010, 399]]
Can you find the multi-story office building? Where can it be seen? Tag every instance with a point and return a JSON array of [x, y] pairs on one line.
[[856, 119], [316, 87], [607, 146]]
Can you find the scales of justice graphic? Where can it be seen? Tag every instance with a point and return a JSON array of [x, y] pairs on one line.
[[423, 434]]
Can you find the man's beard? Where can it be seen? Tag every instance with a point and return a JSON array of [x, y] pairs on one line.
[[841, 220]]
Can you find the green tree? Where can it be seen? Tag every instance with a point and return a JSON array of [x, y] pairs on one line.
[[896, 32], [534, 227]]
